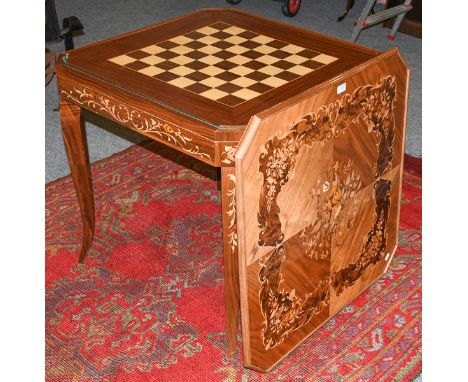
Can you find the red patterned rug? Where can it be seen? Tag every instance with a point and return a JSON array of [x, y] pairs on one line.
[[148, 304]]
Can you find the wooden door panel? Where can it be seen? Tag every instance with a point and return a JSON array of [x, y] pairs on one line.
[[318, 190]]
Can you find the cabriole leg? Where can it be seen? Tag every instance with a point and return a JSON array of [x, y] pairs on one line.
[[74, 137]]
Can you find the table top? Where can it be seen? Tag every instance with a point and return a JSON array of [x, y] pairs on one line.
[[220, 66]]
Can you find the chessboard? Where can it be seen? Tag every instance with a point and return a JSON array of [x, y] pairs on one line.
[[224, 63]]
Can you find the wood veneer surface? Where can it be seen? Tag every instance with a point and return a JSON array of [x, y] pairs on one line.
[[324, 175]]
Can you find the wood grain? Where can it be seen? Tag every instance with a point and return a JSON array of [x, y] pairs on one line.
[[74, 137], [324, 175]]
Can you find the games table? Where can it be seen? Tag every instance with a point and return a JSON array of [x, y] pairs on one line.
[[308, 131]]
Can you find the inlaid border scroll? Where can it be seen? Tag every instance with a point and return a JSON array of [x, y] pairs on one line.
[[370, 105]]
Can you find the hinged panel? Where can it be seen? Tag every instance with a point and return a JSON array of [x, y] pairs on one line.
[[318, 190]]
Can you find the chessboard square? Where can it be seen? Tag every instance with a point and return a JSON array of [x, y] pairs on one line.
[[243, 82], [265, 49], [252, 54], [312, 64], [195, 45], [295, 59], [237, 49], [248, 35], [274, 82], [325, 58], [235, 40], [182, 82], [282, 64], [210, 60], [181, 49], [226, 65], [224, 54], [167, 65], [267, 59], [250, 44], [211, 70], [287, 76], [307, 53], [151, 71], [300, 70], [197, 88], [167, 44], [261, 39], [255, 65], [153, 49], [214, 94], [209, 40], [212, 82], [167, 54], [239, 60], [231, 100], [221, 35], [280, 54], [292, 49], [194, 35], [223, 45], [229, 88], [181, 60], [227, 76], [136, 65], [270, 70], [166, 76], [152, 60], [233, 30], [138, 54], [246, 94], [196, 65], [197, 76], [195, 55], [209, 49], [207, 30], [257, 76], [241, 70], [260, 87], [181, 70], [122, 60], [180, 40], [277, 44]]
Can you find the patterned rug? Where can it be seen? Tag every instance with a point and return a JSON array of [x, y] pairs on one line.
[[148, 304]]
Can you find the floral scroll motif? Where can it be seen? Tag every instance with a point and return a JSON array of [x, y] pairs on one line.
[[331, 196], [231, 212], [227, 155], [282, 309], [371, 106], [139, 119]]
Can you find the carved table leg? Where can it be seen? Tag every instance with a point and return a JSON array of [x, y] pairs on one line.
[[74, 137], [231, 266]]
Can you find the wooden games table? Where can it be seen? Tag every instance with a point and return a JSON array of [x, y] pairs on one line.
[[308, 131]]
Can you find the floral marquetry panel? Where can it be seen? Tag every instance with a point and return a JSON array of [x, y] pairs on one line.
[[318, 191]]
